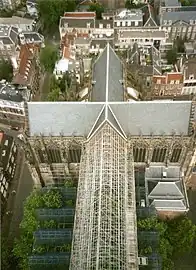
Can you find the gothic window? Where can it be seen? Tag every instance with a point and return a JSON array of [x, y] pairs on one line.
[[176, 155], [139, 154], [74, 154], [159, 155], [54, 155], [40, 156]]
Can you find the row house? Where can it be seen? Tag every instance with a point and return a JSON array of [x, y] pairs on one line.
[[12, 99], [8, 160], [169, 84], [128, 18], [85, 23], [189, 69], [180, 24], [24, 24], [148, 37], [28, 71]]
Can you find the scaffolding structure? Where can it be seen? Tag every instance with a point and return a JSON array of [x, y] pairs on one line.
[[105, 234]]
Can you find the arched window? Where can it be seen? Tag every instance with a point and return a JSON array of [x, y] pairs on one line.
[[159, 154], [139, 154], [74, 154], [54, 155], [176, 154]]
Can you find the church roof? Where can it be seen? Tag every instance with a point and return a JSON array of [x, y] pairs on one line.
[[128, 119]]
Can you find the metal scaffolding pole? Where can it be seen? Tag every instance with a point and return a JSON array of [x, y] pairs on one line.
[[103, 219]]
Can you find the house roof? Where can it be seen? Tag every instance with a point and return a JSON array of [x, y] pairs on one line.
[[8, 35], [27, 53], [175, 16], [107, 77], [170, 205], [80, 15], [163, 190], [143, 34], [77, 22], [190, 68]]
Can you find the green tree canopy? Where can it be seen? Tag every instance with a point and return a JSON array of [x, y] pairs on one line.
[[171, 56], [51, 11], [181, 234], [6, 70], [98, 8], [48, 58]]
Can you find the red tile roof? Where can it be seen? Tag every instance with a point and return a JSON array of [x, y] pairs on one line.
[[174, 77], [26, 55]]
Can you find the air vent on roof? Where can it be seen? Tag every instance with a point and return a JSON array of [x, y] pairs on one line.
[[164, 174]]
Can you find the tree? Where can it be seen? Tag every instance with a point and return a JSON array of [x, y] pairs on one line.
[[52, 199], [6, 70], [181, 234], [54, 94], [51, 11], [179, 44], [98, 8], [48, 58], [171, 56]]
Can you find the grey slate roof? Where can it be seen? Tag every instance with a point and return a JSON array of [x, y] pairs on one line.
[[175, 16], [165, 192], [70, 119], [9, 35], [77, 23], [107, 75], [154, 117]]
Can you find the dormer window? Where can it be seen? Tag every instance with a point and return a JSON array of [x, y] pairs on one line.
[[88, 25], [100, 25], [170, 22], [66, 25], [165, 22], [108, 26], [191, 77], [191, 22]]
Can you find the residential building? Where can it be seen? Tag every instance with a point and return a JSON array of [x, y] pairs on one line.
[[100, 141], [12, 100], [8, 41], [166, 190], [169, 6], [128, 18], [9, 4], [144, 63], [189, 68], [28, 70], [24, 24], [8, 154], [169, 84], [83, 22], [180, 23], [32, 8], [31, 38], [144, 37], [84, 5]]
